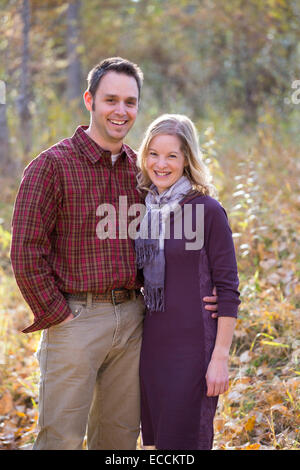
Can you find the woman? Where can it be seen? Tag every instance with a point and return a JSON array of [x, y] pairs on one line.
[[184, 357]]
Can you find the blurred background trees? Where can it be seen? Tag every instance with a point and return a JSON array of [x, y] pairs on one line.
[[233, 62]]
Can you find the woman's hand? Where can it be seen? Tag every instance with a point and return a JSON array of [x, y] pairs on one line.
[[217, 379]]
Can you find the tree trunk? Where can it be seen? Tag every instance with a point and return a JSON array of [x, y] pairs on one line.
[[4, 135], [25, 88], [9, 167], [74, 67]]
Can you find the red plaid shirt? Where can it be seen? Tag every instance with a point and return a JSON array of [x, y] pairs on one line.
[[55, 247]]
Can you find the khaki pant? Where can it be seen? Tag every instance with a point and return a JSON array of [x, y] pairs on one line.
[[90, 378]]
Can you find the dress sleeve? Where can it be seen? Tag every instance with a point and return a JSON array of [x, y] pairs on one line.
[[33, 223], [222, 260]]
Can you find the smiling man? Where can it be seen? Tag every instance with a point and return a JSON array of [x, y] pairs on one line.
[[84, 291], [113, 108]]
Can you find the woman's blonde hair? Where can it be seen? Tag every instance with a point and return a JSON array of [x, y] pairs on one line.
[[182, 127]]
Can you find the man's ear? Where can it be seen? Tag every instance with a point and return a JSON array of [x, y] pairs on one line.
[[88, 100]]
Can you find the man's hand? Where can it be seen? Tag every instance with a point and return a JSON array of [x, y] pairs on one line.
[[214, 300]]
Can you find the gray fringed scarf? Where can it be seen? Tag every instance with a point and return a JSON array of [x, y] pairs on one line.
[[149, 244]]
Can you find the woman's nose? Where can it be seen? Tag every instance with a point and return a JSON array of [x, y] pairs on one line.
[[161, 163]]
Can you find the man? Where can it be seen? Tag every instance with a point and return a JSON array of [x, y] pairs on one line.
[[83, 290]]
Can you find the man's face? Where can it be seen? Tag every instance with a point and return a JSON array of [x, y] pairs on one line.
[[114, 107]]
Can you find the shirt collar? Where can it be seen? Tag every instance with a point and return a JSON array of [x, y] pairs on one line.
[[88, 147]]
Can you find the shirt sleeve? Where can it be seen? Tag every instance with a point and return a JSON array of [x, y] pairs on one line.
[[33, 224], [222, 260]]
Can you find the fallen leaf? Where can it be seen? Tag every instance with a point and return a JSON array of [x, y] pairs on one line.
[[245, 356], [6, 403], [255, 446], [234, 396], [250, 423]]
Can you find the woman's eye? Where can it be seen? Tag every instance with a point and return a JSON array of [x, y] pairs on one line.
[[172, 156]]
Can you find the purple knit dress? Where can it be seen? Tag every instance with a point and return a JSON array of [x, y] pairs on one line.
[[178, 342]]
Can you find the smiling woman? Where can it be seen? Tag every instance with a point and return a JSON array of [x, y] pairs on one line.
[[165, 161], [170, 145], [184, 355]]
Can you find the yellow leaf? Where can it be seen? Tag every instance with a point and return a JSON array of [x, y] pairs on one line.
[[273, 343], [255, 446], [250, 423]]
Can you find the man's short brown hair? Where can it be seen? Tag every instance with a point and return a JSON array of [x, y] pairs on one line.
[[115, 64]]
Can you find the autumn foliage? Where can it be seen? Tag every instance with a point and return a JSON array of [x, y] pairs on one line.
[[230, 67]]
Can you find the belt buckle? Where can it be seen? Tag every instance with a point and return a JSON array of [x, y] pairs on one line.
[[114, 299], [113, 296]]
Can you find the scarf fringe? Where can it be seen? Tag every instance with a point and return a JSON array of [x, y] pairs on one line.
[[154, 298]]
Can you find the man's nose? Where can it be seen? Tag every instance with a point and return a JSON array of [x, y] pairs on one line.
[[121, 109]]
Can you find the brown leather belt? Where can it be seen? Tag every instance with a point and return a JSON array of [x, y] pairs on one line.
[[115, 296]]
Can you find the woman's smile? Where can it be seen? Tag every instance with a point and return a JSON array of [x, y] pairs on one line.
[[165, 161]]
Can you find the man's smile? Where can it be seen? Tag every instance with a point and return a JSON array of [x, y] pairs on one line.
[[117, 122]]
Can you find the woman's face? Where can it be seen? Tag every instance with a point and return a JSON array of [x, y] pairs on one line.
[[165, 161]]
